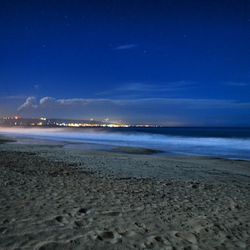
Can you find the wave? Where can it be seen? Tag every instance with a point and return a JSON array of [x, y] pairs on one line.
[[180, 145]]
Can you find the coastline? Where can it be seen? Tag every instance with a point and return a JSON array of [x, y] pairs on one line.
[[106, 160], [59, 198], [187, 143]]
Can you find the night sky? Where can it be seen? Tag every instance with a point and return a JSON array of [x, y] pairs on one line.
[[172, 62]]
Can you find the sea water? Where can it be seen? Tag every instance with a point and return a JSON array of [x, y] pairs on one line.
[[233, 143]]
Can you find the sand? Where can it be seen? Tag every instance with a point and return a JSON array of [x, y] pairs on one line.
[[55, 198]]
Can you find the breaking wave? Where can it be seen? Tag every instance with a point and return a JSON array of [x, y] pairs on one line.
[[173, 144]]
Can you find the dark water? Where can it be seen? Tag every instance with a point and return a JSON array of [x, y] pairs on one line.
[[189, 131], [216, 142]]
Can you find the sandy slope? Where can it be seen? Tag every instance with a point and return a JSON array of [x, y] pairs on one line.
[[46, 204]]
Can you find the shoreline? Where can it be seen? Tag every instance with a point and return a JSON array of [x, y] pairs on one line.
[[121, 162], [217, 145], [92, 146]]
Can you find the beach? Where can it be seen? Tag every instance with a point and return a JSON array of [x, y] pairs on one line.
[[56, 197], [124, 125]]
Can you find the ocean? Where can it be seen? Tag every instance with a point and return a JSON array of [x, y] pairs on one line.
[[230, 143]]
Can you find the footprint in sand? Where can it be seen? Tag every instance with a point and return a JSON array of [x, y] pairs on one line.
[[61, 219], [156, 242], [109, 236], [106, 236], [80, 211]]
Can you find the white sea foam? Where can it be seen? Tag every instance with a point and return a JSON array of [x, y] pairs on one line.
[[211, 146]]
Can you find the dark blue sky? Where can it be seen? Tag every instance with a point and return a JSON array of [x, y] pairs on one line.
[[173, 62]]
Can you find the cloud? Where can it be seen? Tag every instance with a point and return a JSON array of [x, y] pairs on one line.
[[74, 101], [163, 87], [165, 111], [237, 84], [30, 103], [185, 103], [148, 88], [126, 46], [46, 101], [49, 101]]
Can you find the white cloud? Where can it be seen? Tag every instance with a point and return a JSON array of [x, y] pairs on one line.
[[126, 46], [30, 103], [74, 101], [45, 101], [185, 102]]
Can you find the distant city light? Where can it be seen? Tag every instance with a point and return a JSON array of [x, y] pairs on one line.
[[45, 122]]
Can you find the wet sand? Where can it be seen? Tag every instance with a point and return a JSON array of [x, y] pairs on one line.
[[56, 198]]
